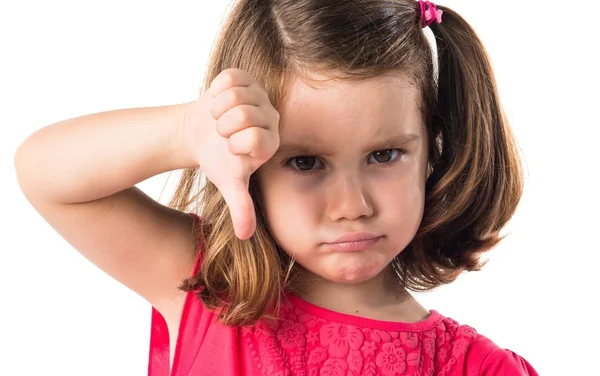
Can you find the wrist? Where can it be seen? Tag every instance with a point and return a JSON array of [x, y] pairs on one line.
[[178, 144]]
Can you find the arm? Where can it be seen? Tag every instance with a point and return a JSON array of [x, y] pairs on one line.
[[484, 358], [79, 174], [505, 362]]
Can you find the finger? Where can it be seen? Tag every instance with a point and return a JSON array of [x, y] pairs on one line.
[[255, 142], [239, 118], [231, 98], [241, 207], [228, 79]]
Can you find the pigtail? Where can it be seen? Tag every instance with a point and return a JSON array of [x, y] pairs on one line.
[[476, 180]]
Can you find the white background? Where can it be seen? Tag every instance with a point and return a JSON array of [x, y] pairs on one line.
[[61, 315]]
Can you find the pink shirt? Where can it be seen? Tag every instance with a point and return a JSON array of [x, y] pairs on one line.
[[309, 340]]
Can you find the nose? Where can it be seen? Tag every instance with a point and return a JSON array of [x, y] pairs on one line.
[[348, 199]]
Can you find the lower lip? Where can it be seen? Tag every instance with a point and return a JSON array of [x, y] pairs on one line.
[[360, 245]]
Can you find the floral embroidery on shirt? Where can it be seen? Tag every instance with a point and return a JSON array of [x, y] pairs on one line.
[[291, 334], [391, 360], [302, 344], [340, 338]]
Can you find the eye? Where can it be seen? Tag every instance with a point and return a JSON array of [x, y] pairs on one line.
[[384, 156], [303, 163]]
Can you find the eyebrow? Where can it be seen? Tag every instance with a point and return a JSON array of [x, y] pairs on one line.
[[317, 147]]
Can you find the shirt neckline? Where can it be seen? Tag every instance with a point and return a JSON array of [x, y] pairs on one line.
[[429, 322]]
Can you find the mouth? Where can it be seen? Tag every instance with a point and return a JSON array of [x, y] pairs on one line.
[[355, 237], [354, 242]]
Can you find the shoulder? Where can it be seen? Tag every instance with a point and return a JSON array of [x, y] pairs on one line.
[[485, 357], [478, 354]]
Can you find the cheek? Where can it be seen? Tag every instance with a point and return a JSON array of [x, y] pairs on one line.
[[400, 205], [406, 195], [282, 204], [290, 210]]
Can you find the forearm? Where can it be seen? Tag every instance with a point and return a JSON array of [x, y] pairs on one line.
[[94, 156]]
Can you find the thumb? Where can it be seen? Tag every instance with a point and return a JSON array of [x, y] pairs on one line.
[[236, 195]]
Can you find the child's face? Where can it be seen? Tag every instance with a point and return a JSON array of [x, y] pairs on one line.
[[341, 185]]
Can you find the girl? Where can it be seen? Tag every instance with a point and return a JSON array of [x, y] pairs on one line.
[[342, 170]]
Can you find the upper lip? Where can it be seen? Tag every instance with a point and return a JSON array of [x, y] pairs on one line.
[[355, 237]]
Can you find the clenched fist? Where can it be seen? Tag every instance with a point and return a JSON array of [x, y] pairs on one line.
[[230, 131]]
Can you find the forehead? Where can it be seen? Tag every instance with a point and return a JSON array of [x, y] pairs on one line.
[[337, 110]]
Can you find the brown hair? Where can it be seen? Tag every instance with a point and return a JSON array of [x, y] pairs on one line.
[[475, 180]]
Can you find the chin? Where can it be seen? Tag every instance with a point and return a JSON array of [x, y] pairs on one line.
[[353, 276]]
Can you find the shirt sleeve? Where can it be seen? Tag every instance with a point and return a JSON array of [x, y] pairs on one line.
[[506, 363]]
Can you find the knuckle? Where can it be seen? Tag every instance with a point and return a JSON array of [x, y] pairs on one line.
[[260, 93], [243, 115], [276, 116], [235, 96], [254, 139], [243, 143], [223, 129], [215, 110], [246, 76], [234, 146], [272, 147], [228, 79]]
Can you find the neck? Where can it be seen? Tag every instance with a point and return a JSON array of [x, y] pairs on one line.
[[382, 297]]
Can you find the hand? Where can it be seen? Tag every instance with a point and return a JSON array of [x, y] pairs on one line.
[[230, 131]]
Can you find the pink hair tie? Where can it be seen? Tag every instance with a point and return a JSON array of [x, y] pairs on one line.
[[430, 14]]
